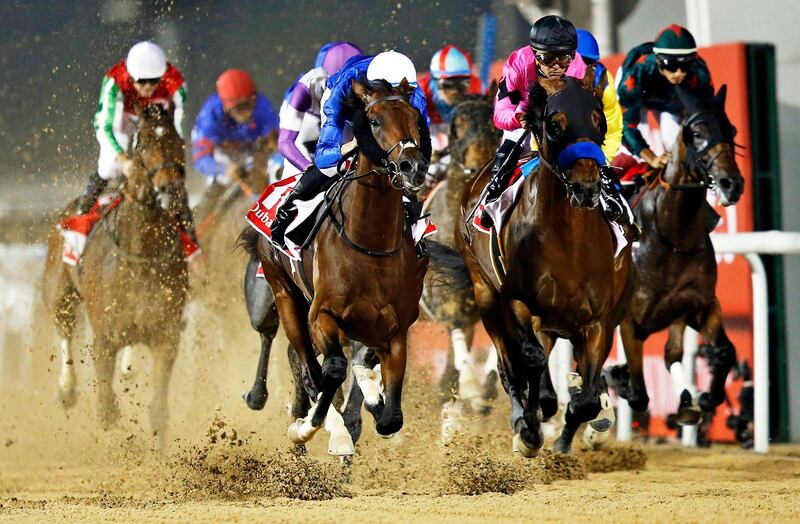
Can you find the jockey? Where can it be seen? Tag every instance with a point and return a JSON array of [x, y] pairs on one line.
[[300, 113], [390, 66], [143, 78], [649, 76], [552, 53], [229, 128], [450, 78]]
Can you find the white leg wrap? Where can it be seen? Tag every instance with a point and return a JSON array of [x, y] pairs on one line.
[[679, 382], [126, 361], [340, 442], [491, 362], [469, 387], [369, 380], [452, 416]]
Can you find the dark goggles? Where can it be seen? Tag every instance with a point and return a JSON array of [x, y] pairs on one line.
[[454, 84], [674, 62], [550, 59], [148, 81]]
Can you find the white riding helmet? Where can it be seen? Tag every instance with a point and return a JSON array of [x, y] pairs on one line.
[[392, 67], [146, 60]]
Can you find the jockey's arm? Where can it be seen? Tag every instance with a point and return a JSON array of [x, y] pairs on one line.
[[108, 118], [613, 113], [291, 120], [507, 105], [179, 103], [630, 100], [204, 139], [328, 151]]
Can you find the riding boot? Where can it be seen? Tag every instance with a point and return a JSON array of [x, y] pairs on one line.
[[616, 208], [498, 177], [413, 212], [95, 186], [310, 183], [184, 216]]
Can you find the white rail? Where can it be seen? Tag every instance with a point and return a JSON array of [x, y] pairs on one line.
[[749, 245]]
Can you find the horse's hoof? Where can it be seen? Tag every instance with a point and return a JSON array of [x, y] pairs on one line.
[[469, 387], [518, 446], [706, 403], [295, 432], [689, 413], [595, 439], [341, 445], [67, 398], [562, 446], [639, 402], [254, 402]]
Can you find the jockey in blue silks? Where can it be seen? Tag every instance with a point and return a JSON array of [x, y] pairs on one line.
[[389, 66]]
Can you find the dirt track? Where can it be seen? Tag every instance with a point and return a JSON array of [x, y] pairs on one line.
[[226, 463]]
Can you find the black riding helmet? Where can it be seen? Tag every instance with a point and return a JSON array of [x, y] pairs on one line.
[[554, 34]]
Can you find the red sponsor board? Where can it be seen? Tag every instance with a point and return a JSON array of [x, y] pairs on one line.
[[728, 66]]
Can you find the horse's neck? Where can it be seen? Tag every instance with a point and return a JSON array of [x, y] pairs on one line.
[[542, 194], [373, 211], [140, 229], [453, 190], [678, 210]]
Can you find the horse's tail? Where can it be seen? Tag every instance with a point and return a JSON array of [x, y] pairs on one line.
[[447, 268], [248, 240]]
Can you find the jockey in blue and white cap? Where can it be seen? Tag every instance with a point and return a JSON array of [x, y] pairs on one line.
[[300, 113], [390, 66]]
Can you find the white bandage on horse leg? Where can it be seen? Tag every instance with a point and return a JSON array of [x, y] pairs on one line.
[[679, 382], [369, 381], [491, 362], [126, 361], [340, 442], [301, 430], [469, 386]]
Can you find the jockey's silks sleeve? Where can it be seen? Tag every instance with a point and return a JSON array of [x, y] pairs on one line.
[[613, 112], [334, 120], [108, 117], [304, 99]]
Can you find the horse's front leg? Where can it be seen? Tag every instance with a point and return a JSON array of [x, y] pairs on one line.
[[628, 378], [721, 359], [588, 389], [393, 372], [103, 353], [163, 361], [365, 388], [689, 413], [264, 319]]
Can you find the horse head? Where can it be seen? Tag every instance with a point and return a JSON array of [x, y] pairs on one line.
[[570, 127], [707, 136], [159, 155], [390, 132], [472, 137]]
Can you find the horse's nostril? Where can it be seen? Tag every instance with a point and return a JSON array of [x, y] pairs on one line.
[[406, 166], [725, 183]]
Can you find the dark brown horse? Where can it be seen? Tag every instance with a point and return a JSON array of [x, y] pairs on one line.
[[133, 273], [366, 277], [675, 271], [472, 142], [561, 276]]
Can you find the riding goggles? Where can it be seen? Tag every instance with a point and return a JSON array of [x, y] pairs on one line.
[[549, 59], [453, 84], [148, 81], [672, 63]]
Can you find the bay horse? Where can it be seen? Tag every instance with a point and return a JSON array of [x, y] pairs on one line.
[[366, 276], [674, 268], [472, 142], [132, 276], [562, 278]]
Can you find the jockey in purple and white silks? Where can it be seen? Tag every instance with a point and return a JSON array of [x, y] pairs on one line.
[[300, 112], [390, 66]]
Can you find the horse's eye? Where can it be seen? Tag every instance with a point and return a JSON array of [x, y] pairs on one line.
[[374, 122], [553, 128]]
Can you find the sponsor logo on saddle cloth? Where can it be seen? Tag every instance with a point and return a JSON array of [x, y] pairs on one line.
[[76, 228], [263, 211], [501, 208]]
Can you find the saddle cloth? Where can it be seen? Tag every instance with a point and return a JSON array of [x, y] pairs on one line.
[[75, 230], [263, 211], [500, 209]]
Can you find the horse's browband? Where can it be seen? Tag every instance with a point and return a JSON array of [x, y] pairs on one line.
[[385, 99]]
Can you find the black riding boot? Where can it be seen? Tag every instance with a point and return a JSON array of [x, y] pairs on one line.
[[185, 218], [611, 188], [498, 179], [413, 211], [95, 186], [311, 183]]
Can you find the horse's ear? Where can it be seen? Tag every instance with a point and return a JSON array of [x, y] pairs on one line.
[[405, 88], [721, 95], [492, 91], [361, 91]]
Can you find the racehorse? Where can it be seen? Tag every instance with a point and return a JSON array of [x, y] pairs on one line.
[[560, 276], [472, 142], [675, 271], [366, 276], [133, 273]]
